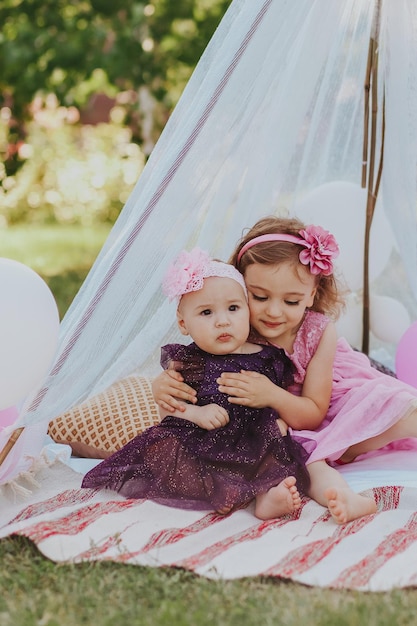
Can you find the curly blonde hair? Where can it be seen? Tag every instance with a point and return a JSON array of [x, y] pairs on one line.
[[329, 298]]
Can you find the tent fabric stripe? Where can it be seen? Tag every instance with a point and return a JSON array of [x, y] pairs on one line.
[[152, 204]]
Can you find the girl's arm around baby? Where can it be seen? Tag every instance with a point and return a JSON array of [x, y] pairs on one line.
[[305, 411], [171, 392]]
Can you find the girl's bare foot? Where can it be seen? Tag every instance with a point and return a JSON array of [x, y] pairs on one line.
[[279, 500], [345, 505]]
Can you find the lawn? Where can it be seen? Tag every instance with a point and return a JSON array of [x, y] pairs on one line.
[[62, 255], [36, 592]]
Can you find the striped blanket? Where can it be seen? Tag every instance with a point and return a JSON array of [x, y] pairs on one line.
[[376, 553]]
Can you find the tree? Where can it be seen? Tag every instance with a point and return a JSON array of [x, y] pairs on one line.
[[74, 49], [56, 46]]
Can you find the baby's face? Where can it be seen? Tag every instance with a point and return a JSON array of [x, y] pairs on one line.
[[216, 317]]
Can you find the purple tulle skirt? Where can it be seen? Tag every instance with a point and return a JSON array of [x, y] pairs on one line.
[[180, 464]]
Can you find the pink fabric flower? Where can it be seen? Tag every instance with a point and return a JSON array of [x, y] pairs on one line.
[[186, 273], [321, 249]]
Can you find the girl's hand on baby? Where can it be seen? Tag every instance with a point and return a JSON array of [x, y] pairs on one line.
[[247, 388], [169, 390], [210, 416]]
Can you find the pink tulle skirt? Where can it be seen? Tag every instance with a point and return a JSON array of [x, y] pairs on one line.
[[364, 403]]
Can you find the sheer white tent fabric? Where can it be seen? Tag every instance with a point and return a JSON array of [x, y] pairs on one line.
[[273, 110]]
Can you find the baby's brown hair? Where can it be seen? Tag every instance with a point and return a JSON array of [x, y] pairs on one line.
[[328, 299]]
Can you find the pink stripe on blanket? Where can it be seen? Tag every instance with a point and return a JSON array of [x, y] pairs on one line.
[[359, 575], [158, 540], [97, 552], [77, 521], [306, 557], [169, 536], [66, 498], [250, 534]]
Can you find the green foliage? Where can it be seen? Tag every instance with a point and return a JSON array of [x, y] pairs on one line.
[[70, 173], [140, 53], [52, 46], [62, 255], [180, 31]]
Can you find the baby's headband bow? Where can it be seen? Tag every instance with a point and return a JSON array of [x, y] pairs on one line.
[[189, 270]]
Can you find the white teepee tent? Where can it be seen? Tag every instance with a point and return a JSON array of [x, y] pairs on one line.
[[273, 111]]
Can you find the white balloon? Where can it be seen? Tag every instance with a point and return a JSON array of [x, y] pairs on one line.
[[340, 207], [388, 318], [29, 326], [349, 325]]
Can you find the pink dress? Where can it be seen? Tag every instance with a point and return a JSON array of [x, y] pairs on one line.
[[364, 401]]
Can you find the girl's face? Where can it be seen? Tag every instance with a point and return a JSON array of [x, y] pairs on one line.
[[278, 298], [216, 316]]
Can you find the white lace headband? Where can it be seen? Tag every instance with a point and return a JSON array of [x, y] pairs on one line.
[[188, 271]]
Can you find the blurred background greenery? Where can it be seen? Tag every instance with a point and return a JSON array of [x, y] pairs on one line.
[[85, 90]]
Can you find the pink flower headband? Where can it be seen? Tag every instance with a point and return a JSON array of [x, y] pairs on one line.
[[189, 270], [321, 247]]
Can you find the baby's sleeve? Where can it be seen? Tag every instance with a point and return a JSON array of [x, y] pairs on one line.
[[172, 356]]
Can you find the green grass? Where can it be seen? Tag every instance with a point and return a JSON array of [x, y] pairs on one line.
[[37, 592], [62, 255]]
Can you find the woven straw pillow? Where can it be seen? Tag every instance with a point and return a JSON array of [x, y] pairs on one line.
[[106, 422]]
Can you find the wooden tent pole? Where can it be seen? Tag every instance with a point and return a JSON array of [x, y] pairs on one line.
[[10, 443], [367, 88], [368, 169]]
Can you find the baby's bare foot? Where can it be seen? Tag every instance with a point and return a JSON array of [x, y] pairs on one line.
[[279, 500], [224, 510], [345, 505]]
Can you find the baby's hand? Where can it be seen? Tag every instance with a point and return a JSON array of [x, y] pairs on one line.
[[169, 389], [247, 388], [210, 416]]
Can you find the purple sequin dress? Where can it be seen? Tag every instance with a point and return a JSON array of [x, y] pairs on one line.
[[181, 464]]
